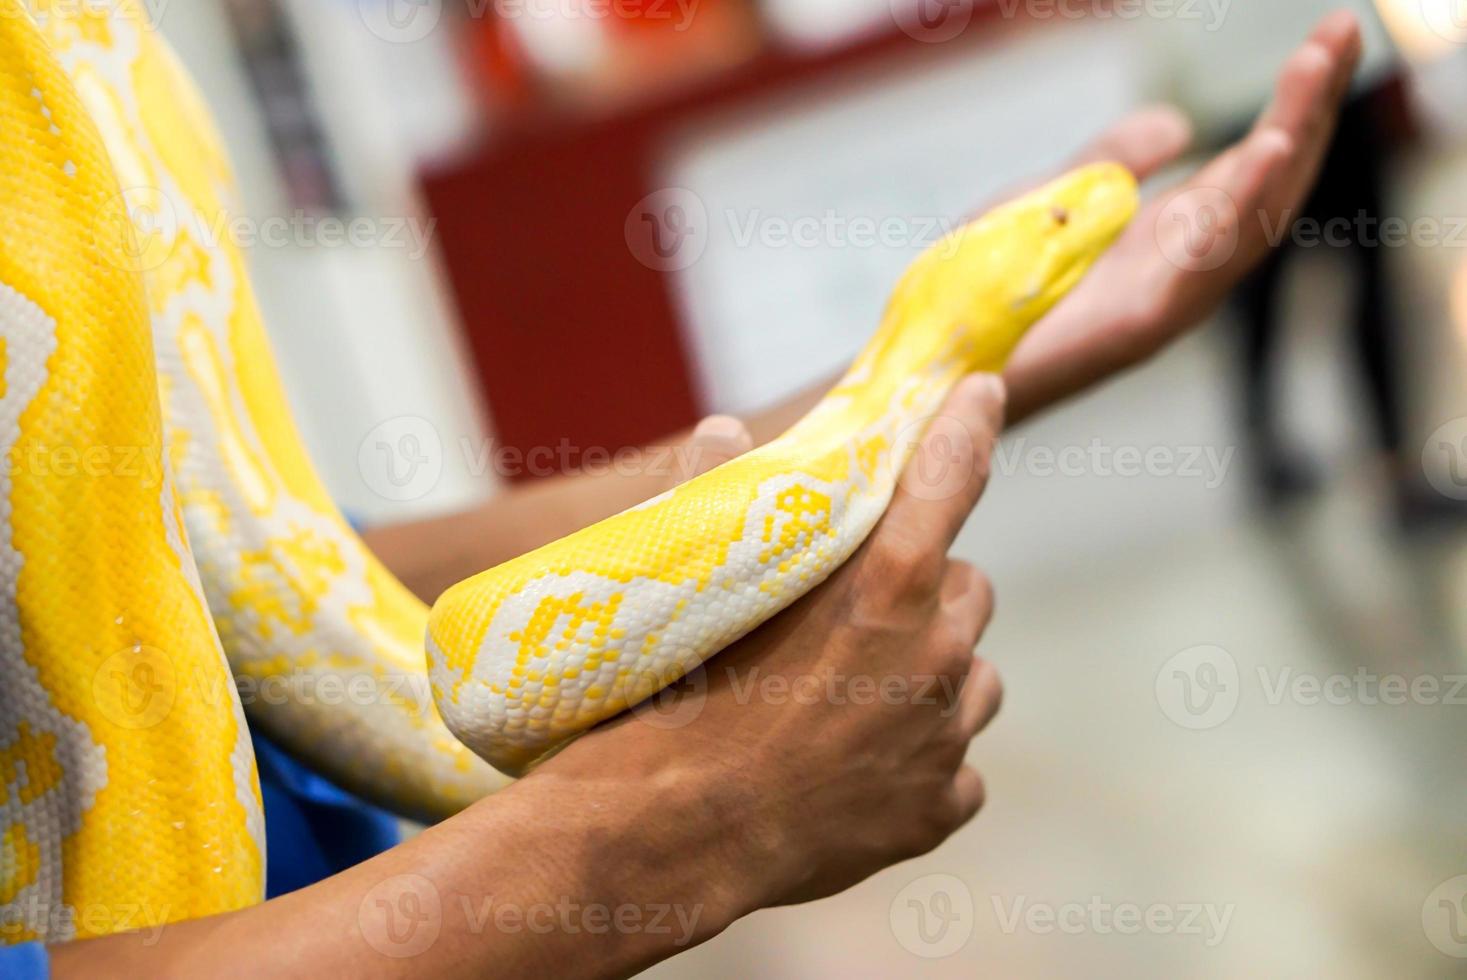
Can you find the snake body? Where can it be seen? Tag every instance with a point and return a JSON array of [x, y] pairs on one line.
[[327, 645], [128, 322], [128, 794]]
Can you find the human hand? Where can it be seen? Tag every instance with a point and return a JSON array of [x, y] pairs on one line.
[[829, 743], [714, 441], [1155, 282]]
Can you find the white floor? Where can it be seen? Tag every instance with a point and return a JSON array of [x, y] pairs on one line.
[[1286, 839]]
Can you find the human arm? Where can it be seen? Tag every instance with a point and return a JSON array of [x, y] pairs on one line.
[[823, 747]]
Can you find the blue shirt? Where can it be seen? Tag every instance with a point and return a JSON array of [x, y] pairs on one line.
[[25, 962], [313, 829]]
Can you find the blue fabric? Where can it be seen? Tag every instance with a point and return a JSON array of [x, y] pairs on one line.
[[25, 962], [313, 829]]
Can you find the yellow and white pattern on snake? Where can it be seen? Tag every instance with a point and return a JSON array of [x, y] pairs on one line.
[[128, 795], [529, 654], [326, 644]]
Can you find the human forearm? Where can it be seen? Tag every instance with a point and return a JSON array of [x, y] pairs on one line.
[[429, 556], [564, 877]]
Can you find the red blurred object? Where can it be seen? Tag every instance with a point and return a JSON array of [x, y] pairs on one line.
[[498, 62], [574, 339]]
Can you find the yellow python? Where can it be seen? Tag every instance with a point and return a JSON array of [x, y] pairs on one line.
[[155, 491]]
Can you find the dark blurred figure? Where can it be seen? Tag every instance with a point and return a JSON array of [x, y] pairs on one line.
[[1348, 206]]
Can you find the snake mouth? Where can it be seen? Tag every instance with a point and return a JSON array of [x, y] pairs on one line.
[[1093, 205], [1074, 220]]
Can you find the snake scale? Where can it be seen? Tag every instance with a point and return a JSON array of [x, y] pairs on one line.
[[170, 564]]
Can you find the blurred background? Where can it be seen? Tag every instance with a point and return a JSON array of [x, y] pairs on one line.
[[1229, 617]]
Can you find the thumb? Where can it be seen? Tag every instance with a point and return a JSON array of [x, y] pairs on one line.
[[716, 440], [949, 470]]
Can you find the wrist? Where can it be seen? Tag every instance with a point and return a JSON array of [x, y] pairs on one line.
[[624, 868], [643, 820]]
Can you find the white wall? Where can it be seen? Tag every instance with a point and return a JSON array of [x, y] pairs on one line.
[[922, 149]]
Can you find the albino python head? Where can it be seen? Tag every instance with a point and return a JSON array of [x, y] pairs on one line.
[[999, 274]]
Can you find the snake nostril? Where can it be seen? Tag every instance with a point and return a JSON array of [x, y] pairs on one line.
[[1061, 216]]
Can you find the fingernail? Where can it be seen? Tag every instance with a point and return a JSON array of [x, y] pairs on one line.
[[1274, 142], [1315, 57], [1341, 21], [719, 427], [1172, 125], [992, 388]]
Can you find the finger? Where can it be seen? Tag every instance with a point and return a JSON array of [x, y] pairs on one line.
[[1304, 81], [1205, 236], [980, 699], [1322, 65], [716, 440], [1243, 170], [1143, 142], [1307, 99], [967, 601], [1338, 30], [969, 793], [1339, 33], [942, 482], [1264, 161]]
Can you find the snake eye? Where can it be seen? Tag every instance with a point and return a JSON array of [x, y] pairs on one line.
[[1061, 216]]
